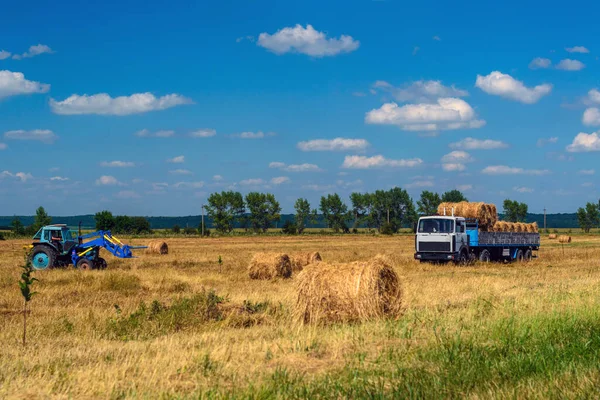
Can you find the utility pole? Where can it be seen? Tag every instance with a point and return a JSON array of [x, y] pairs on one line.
[[202, 220], [544, 219], [388, 212]]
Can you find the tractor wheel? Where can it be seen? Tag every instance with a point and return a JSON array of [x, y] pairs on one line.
[[519, 257], [528, 255], [101, 263], [42, 257], [485, 257], [85, 264]]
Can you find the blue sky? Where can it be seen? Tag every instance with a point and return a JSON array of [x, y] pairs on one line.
[[147, 107]]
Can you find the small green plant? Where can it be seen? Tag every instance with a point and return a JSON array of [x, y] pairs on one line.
[[25, 285]]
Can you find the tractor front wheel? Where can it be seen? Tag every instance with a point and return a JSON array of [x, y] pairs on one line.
[[101, 263], [85, 264], [42, 257]]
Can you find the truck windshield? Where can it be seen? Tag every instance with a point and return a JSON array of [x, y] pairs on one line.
[[433, 225]]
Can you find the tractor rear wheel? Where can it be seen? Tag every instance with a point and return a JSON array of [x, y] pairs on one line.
[[85, 264], [42, 257], [101, 263]]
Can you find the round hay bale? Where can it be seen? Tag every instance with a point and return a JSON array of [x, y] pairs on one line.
[[519, 227], [486, 214], [564, 239], [501, 226], [532, 228], [301, 260], [552, 236], [270, 266], [330, 293], [157, 247]]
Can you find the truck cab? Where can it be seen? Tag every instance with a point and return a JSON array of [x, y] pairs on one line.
[[442, 239]]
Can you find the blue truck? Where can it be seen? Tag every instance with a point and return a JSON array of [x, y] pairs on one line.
[[55, 246], [444, 239]]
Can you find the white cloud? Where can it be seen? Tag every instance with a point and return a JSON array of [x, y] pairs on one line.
[[477, 144], [177, 160], [306, 41], [22, 176], [544, 141], [420, 91], [3, 146], [127, 194], [587, 172], [499, 84], [117, 164], [14, 83], [540, 63], [593, 97], [570, 65], [457, 156], [217, 178], [337, 144], [465, 188], [419, 184], [591, 116], [505, 170], [253, 135], [295, 167], [203, 133], [447, 114], [379, 161], [577, 49], [4, 54], [103, 104], [191, 185], [523, 189], [59, 178], [453, 167], [43, 135], [415, 50], [158, 134], [280, 180], [584, 142], [33, 51], [252, 182], [437, 38], [181, 172], [587, 184], [318, 188], [107, 180]]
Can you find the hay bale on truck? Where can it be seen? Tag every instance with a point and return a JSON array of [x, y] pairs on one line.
[[157, 247], [364, 290], [301, 260], [564, 239], [270, 266], [484, 213]]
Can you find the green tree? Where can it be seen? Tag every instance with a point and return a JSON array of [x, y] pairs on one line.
[[176, 228], [335, 212], [41, 219], [514, 211], [302, 207], [123, 224], [264, 210], [429, 202], [362, 204], [104, 220], [140, 225], [588, 217], [17, 226], [453, 196], [224, 209]]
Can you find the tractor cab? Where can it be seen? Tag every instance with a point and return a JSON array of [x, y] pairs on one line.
[[57, 236]]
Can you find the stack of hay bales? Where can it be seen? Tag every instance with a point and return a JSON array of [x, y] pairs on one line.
[[330, 293], [486, 214], [564, 239], [301, 260], [552, 236], [502, 226], [270, 266], [157, 247]]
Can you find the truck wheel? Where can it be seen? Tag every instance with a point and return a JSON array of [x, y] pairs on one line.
[[462, 259], [42, 257], [528, 255], [485, 257], [519, 257], [85, 264]]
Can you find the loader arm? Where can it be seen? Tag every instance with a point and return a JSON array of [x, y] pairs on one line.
[[107, 241]]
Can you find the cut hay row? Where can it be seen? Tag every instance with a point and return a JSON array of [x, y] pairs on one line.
[[486, 214], [503, 226], [157, 247], [301, 260], [564, 239], [335, 292], [270, 266]]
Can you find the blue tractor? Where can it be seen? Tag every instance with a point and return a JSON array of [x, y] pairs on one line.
[[55, 246]]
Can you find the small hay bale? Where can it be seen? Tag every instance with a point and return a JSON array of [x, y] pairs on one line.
[[501, 226], [270, 266], [564, 239], [532, 228], [157, 247], [519, 227], [552, 236], [301, 260], [358, 291]]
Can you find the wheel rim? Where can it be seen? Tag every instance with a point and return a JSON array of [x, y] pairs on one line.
[[40, 260]]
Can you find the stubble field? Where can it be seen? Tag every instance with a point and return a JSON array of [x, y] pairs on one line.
[[185, 326]]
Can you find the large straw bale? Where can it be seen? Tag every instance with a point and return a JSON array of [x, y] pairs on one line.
[[301, 260], [484, 213], [552, 236], [270, 266], [157, 247], [335, 292], [564, 239]]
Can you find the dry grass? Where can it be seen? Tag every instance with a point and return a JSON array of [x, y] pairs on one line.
[[86, 332]]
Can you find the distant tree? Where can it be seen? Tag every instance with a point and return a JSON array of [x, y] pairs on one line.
[[289, 228], [514, 211], [302, 207], [123, 224], [224, 209], [588, 217], [140, 225], [453, 196], [41, 219], [17, 226], [429, 202], [314, 217], [362, 204], [104, 220], [264, 210], [335, 212], [176, 228]]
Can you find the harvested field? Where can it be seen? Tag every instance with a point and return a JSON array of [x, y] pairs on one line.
[[207, 329]]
